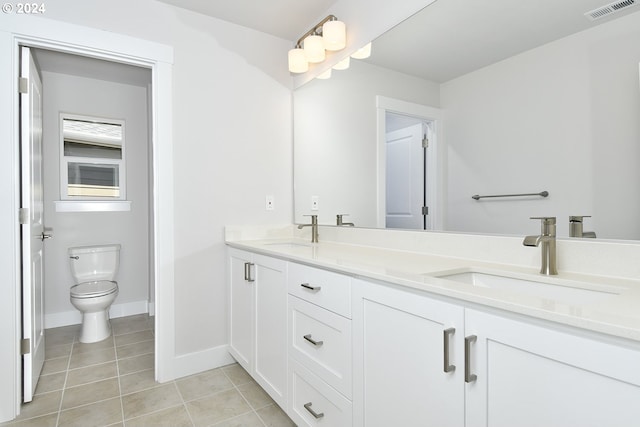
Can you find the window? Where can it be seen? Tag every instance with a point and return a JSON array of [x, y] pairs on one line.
[[92, 160]]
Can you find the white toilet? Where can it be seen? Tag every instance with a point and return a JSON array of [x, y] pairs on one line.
[[94, 269]]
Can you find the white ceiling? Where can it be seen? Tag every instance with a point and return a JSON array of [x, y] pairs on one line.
[[287, 19], [447, 39], [451, 38]]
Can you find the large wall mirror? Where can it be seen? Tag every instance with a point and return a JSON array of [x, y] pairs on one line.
[[483, 97]]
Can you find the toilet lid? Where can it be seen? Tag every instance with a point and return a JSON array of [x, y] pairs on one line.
[[94, 289]]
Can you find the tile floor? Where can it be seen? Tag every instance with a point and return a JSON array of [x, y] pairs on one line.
[[111, 383]]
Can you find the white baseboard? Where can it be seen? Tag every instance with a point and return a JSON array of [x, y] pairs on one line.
[[74, 317], [200, 361], [128, 309], [152, 308]]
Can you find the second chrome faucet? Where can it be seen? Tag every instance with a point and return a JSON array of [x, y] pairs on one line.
[[314, 228], [547, 242]]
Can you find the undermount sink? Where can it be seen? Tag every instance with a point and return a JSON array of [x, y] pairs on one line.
[[551, 288]]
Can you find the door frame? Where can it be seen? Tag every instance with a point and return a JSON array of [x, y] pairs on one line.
[[55, 35], [435, 161]]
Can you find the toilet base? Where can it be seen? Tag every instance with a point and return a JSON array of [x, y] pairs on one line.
[[95, 327]]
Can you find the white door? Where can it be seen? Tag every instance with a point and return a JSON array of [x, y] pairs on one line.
[[32, 223], [405, 178], [271, 327], [531, 376], [408, 359], [241, 297]]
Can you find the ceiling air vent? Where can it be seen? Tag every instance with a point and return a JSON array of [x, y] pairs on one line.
[[609, 9]]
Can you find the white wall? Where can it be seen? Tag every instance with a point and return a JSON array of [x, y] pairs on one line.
[[232, 142], [555, 118], [98, 98], [232, 146], [336, 139]]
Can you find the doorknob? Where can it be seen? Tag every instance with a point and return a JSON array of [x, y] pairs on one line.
[[45, 236]]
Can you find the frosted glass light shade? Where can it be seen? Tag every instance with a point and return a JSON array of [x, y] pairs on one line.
[[362, 53], [324, 75], [314, 49], [334, 35], [298, 61], [343, 65]]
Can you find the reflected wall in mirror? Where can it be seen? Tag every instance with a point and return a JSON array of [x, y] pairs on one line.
[[533, 98]]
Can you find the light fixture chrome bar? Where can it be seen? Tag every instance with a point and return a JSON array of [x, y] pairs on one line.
[[316, 30], [541, 194]]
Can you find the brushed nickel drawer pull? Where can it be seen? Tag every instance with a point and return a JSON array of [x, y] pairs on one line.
[[316, 415], [446, 337], [247, 272], [311, 288], [312, 341], [468, 376]]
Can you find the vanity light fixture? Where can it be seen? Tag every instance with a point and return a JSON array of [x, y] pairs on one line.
[[343, 65], [334, 35], [324, 75], [314, 49], [298, 61], [363, 53], [328, 34]]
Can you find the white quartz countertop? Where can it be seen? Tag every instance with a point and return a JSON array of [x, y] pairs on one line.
[[614, 309]]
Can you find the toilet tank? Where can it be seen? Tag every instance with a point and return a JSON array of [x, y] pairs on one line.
[[91, 263]]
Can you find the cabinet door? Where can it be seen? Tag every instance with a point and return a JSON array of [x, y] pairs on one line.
[[241, 297], [529, 375], [271, 327], [399, 357]]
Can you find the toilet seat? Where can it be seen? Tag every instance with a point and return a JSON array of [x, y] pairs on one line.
[[95, 289]]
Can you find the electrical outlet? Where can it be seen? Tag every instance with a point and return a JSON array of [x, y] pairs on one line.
[[315, 203], [269, 203]]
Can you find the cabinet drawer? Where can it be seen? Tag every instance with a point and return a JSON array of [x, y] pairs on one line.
[[315, 403], [321, 341], [324, 288]]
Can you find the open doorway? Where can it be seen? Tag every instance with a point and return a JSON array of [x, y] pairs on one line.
[[83, 41], [409, 179], [407, 143], [92, 94]]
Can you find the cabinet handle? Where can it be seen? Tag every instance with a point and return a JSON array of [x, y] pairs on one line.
[[447, 333], [316, 415], [468, 376], [312, 341], [311, 288], [247, 272]]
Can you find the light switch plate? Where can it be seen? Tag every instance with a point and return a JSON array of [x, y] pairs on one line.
[[315, 202]]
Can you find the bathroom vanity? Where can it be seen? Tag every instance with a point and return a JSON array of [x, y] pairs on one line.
[[347, 333]]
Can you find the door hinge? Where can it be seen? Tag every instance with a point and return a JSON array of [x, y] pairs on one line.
[[23, 85], [25, 346], [425, 210], [425, 142], [23, 214]]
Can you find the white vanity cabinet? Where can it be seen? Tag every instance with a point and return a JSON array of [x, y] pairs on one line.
[[258, 319], [340, 351], [319, 347], [408, 363], [508, 372], [530, 375]]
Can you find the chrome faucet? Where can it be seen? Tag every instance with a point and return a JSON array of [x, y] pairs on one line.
[[314, 228], [575, 227], [547, 238], [339, 221]]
